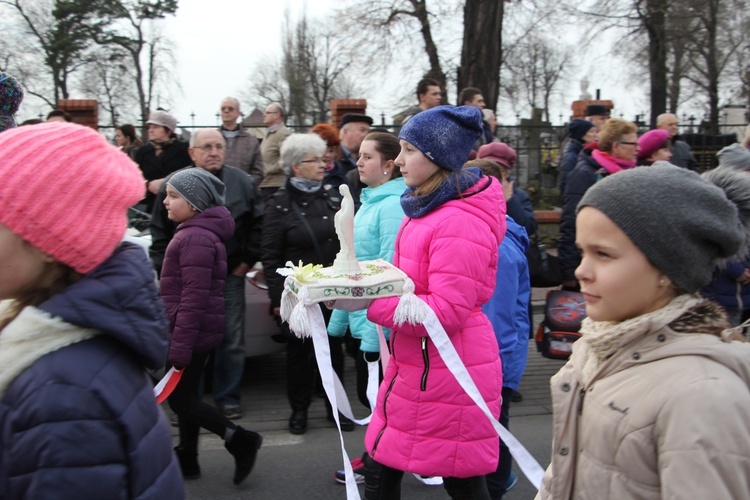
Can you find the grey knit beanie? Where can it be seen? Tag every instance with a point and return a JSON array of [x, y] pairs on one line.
[[684, 223], [444, 134], [199, 187]]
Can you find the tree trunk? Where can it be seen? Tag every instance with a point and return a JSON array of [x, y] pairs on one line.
[[481, 53], [436, 71], [654, 21]]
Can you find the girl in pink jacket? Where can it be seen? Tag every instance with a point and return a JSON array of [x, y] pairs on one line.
[[424, 422]]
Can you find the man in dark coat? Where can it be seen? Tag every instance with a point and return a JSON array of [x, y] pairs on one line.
[[208, 150], [681, 154]]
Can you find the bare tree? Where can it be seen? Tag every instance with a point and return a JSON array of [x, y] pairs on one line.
[[312, 70], [107, 77]]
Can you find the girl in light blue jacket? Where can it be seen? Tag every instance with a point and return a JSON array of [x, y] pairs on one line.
[[375, 227]]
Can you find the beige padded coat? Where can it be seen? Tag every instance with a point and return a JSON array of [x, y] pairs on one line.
[[667, 416]]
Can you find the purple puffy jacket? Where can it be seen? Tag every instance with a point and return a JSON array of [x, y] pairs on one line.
[[192, 284]]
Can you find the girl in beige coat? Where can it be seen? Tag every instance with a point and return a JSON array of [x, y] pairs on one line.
[[655, 400]]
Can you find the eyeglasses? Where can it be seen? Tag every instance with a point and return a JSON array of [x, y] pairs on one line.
[[227, 108], [270, 112], [314, 160], [628, 143], [207, 148]]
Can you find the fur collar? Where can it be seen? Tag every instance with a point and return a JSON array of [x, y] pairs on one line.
[[31, 335]]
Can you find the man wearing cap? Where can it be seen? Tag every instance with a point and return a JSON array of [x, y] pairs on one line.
[[598, 114], [353, 129], [161, 156], [243, 149], [681, 154], [273, 175], [208, 151]]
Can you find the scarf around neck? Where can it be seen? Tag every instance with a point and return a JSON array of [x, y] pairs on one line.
[[419, 206], [305, 185], [605, 338], [610, 163]]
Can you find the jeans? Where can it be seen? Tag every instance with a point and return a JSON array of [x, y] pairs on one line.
[[193, 413], [496, 481], [384, 483], [229, 356]]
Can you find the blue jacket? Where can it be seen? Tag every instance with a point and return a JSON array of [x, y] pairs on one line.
[[376, 225], [569, 160], [520, 208], [725, 289], [81, 420], [508, 309]]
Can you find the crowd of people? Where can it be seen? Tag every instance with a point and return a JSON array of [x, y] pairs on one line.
[[653, 403]]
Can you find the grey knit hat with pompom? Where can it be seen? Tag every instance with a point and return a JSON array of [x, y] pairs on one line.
[[684, 223]]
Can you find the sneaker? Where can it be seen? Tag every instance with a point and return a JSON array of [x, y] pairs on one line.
[[512, 480], [232, 412], [358, 467], [430, 480]]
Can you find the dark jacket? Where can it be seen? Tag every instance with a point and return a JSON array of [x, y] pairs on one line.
[[174, 157], [81, 421], [285, 237], [244, 203], [724, 287], [521, 210], [569, 160], [192, 284], [580, 179], [682, 156]]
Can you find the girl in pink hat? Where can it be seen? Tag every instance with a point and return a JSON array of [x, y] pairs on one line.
[[80, 321]]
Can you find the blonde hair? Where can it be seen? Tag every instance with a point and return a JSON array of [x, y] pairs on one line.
[[613, 131]]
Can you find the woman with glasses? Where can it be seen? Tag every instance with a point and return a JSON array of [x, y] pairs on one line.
[[616, 151], [298, 225]]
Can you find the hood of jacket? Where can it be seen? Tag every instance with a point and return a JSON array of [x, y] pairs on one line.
[[120, 300], [394, 187], [218, 220]]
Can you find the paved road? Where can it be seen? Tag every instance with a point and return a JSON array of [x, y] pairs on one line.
[[302, 467]]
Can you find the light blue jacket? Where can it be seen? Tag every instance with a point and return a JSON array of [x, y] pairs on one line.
[[508, 309], [376, 225]]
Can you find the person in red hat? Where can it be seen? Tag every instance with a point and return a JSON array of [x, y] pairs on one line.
[[654, 146]]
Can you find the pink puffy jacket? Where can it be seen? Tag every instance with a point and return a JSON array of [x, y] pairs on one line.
[[424, 421]]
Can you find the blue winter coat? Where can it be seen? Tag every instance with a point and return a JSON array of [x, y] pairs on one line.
[[376, 225], [81, 421], [192, 284], [569, 160], [725, 289], [508, 309]]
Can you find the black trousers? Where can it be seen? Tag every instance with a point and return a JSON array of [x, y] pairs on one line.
[[191, 411], [497, 480], [301, 369], [384, 483]]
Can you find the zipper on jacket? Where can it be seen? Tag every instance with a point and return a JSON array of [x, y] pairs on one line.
[[426, 359], [385, 416], [393, 343]]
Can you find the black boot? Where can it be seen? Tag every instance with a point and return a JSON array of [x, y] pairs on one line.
[[188, 459], [243, 445]]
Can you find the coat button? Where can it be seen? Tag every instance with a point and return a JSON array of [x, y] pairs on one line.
[[563, 450], [566, 387], [661, 337], [636, 356]]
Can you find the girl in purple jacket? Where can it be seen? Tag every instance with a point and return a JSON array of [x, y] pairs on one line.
[[192, 287], [424, 422]]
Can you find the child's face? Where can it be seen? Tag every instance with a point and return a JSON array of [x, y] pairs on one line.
[[371, 165], [415, 167], [21, 264], [178, 209], [617, 280]]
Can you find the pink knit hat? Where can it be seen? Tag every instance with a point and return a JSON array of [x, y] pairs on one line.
[[651, 142], [499, 152], [66, 190]]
